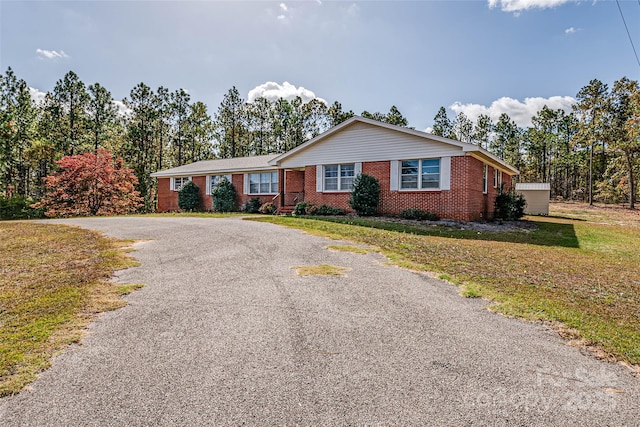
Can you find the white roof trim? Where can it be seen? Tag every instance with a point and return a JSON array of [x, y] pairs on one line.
[[220, 167], [528, 186]]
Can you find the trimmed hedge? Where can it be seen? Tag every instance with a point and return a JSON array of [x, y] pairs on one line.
[[189, 197], [307, 208], [268, 208], [419, 215], [365, 195], [224, 196], [252, 205]]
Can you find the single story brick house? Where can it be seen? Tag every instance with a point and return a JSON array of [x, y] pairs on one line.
[[415, 169]]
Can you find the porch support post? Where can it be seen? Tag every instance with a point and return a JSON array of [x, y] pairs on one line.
[[281, 186]]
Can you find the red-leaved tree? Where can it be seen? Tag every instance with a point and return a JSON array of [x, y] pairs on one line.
[[90, 184]]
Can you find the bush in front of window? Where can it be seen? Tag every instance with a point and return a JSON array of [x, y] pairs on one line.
[[268, 208], [189, 197], [301, 208], [419, 215], [252, 205], [365, 195], [509, 206], [224, 196]]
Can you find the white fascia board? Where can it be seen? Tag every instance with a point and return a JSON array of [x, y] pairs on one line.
[[484, 155], [211, 172]]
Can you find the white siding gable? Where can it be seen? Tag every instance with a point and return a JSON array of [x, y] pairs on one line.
[[362, 142]]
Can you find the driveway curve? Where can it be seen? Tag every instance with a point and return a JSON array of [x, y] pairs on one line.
[[224, 333]]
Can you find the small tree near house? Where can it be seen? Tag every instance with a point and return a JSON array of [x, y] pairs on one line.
[[90, 184], [365, 195], [189, 197], [224, 196]]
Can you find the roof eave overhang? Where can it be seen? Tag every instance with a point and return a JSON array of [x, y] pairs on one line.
[[485, 156], [169, 174]]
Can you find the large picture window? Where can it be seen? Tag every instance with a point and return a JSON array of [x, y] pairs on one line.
[[263, 183], [339, 177], [420, 174]]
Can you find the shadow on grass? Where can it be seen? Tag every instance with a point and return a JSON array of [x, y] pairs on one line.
[[565, 217], [545, 233]]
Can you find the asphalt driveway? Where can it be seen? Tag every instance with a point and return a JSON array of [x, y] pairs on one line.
[[223, 333]]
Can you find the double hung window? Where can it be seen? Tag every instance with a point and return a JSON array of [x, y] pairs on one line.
[[339, 177], [421, 174], [179, 181]]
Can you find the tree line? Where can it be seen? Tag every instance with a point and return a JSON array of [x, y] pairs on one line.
[[590, 153]]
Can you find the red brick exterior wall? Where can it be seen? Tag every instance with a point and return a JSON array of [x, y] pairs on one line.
[[337, 199], [465, 200], [168, 200]]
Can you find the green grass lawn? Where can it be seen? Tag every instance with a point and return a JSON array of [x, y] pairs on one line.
[[54, 280], [578, 268]]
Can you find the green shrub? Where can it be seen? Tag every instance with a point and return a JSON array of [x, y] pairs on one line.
[[419, 215], [224, 196], [252, 205], [268, 208], [365, 195], [301, 208], [18, 207], [189, 197], [509, 206], [328, 210]]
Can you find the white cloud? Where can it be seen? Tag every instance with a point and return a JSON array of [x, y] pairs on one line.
[[570, 30], [37, 95], [123, 110], [284, 12], [520, 5], [274, 91], [520, 112], [51, 54]]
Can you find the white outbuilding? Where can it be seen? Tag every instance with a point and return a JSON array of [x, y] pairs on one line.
[[537, 195]]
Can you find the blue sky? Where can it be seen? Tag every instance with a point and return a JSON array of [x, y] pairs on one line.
[[473, 56]]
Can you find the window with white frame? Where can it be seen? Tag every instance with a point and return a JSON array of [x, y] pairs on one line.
[[179, 181], [263, 183], [420, 174], [485, 171], [213, 181], [497, 178], [339, 177]]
